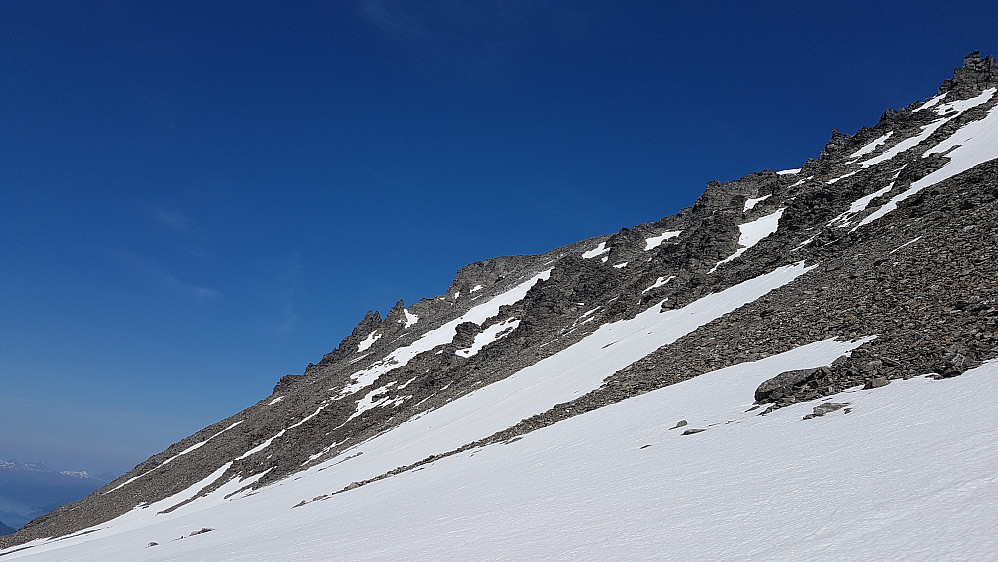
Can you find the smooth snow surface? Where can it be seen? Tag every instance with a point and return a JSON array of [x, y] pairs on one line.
[[372, 400], [800, 182], [906, 144], [620, 265], [753, 201], [859, 206], [752, 233], [261, 446], [368, 341], [788, 172], [842, 177], [931, 102], [658, 283], [494, 332], [973, 144], [907, 474], [558, 378], [872, 145], [656, 241], [598, 250], [410, 318], [959, 106], [949, 111]]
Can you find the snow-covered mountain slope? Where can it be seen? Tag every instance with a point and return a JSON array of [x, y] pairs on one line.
[[526, 412]]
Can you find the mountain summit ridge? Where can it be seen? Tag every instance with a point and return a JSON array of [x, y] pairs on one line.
[[885, 243]]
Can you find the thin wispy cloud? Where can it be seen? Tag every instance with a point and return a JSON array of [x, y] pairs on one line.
[[157, 271], [392, 18], [174, 220]]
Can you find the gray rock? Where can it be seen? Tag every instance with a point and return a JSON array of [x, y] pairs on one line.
[[824, 408]]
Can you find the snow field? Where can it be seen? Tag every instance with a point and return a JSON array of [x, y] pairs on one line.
[[656, 241], [872, 145], [751, 202], [658, 283], [907, 473], [973, 144], [488, 335], [439, 336], [598, 250], [752, 232], [947, 110], [368, 341], [535, 389]]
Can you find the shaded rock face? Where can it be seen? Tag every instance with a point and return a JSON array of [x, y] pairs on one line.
[[975, 75], [920, 278]]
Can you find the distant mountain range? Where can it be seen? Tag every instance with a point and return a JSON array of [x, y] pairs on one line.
[[28, 490]]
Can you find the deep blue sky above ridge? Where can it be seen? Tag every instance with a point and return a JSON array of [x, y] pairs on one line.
[[197, 198]]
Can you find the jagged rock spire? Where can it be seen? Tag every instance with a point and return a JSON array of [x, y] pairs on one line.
[[975, 75]]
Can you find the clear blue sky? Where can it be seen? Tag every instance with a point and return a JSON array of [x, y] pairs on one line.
[[197, 198]]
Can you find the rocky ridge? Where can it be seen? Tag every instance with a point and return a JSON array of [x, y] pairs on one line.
[[912, 264]]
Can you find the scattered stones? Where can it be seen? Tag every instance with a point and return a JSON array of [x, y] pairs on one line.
[[693, 430], [824, 408], [876, 382], [679, 424]]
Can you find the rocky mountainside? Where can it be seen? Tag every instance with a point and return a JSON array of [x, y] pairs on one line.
[[888, 239]]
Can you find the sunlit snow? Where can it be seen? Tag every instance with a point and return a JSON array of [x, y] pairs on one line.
[[656, 241], [752, 233], [658, 283], [973, 144], [410, 318], [868, 148], [438, 336], [858, 206], [489, 335], [842, 177], [601, 249], [906, 473], [912, 241], [753, 201], [368, 341]]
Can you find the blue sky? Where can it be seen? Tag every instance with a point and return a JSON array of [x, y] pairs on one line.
[[197, 198]]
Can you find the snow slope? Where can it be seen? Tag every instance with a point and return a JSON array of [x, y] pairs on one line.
[[556, 379], [908, 473], [973, 144]]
